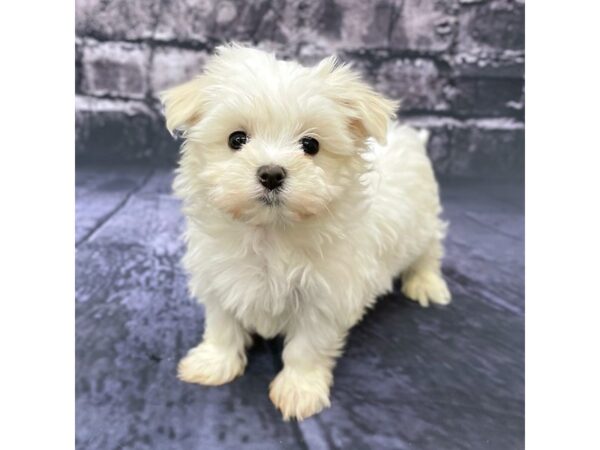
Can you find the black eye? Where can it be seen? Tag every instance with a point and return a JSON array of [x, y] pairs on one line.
[[309, 145], [237, 139]]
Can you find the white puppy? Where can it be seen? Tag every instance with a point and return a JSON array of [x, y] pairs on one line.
[[303, 201]]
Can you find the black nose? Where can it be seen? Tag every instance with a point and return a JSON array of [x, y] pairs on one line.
[[271, 176]]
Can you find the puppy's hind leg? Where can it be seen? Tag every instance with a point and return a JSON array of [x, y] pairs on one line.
[[221, 356], [423, 281]]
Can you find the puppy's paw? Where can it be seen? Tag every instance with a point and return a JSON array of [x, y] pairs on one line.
[[300, 394], [211, 365], [425, 287]]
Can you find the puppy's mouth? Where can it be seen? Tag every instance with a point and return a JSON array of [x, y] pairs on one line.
[[271, 198]]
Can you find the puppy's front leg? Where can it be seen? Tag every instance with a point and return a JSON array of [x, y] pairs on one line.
[[221, 356], [301, 389]]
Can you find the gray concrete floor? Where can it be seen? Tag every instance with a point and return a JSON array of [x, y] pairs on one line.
[[411, 378]]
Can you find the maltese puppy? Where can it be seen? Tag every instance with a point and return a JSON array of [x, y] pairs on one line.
[[303, 201]]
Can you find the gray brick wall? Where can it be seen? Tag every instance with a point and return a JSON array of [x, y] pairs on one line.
[[458, 66]]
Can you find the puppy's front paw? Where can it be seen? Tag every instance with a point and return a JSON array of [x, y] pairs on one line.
[[211, 365], [300, 394], [425, 287]]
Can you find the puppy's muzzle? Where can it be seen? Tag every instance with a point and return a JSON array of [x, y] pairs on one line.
[[271, 176]]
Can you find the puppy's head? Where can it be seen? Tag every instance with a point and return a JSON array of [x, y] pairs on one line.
[[270, 140]]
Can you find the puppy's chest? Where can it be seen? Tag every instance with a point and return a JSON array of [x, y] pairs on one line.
[[266, 279], [273, 273]]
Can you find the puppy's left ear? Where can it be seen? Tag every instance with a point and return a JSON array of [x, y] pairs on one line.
[[183, 105], [369, 112]]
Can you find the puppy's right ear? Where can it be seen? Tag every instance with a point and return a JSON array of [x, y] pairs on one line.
[[183, 105]]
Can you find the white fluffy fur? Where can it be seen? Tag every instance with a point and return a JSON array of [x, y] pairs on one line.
[[362, 211]]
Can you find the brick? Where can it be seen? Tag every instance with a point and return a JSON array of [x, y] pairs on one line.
[[426, 26], [115, 69], [171, 66], [208, 21], [115, 130], [416, 82], [479, 148], [490, 97], [116, 19], [494, 149], [317, 22], [491, 27]]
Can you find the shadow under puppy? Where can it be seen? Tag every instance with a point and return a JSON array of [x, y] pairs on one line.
[[303, 200]]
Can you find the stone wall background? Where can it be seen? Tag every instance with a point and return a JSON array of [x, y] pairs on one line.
[[458, 65]]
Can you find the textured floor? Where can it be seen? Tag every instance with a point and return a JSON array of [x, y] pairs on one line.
[[410, 378]]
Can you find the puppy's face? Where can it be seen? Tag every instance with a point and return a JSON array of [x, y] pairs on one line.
[[271, 141]]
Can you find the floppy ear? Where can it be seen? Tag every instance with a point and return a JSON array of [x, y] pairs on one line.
[[369, 112], [183, 105]]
